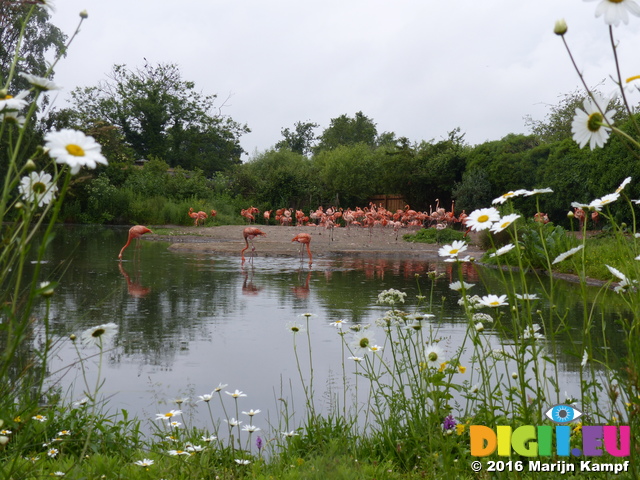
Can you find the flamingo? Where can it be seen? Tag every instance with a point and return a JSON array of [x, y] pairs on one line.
[[250, 233], [304, 239], [194, 215], [134, 232]]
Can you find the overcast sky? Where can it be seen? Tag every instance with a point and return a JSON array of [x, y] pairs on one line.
[[419, 68]]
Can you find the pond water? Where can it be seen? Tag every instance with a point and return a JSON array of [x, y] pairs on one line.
[[188, 322]]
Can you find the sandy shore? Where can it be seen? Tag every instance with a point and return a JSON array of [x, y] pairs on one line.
[[228, 239]]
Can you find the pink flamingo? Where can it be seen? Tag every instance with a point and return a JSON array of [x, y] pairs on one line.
[[250, 233], [304, 239], [194, 215], [134, 232]]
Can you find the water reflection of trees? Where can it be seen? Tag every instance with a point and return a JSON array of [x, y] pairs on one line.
[[165, 301]]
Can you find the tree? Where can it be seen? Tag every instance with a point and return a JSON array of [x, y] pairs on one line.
[[301, 141], [161, 115], [344, 130], [40, 37]]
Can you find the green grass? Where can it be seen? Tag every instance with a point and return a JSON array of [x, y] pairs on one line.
[[433, 235]]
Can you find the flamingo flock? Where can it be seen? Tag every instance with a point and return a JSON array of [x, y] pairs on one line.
[[368, 217]]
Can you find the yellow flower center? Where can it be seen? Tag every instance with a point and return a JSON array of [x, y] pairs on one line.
[[453, 251], [75, 150], [505, 225], [631, 79], [39, 188], [483, 218], [494, 304], [595, 121], [616, 1]]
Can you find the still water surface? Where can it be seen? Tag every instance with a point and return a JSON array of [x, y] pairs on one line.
[[188, 322]]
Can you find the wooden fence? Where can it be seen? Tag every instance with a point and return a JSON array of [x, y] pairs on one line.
[[390, 202]]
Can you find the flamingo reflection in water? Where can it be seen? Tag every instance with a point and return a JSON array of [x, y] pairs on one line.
[[135, 289]]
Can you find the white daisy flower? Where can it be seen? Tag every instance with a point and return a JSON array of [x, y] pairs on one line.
[[375, 348], [46, 4], [208, 439], [503, 250], [625, 283], [434, 356], [356, 359], [233, 422], [206, 397], [493, 300], [40, 83], [598, 203], [290, 434], [194, 448], [361, 342], [506, 196], [39, 418], [567, 254], [532, 332], [479, 327], [453, 250], [580, 205], [9, 103], [52, 452], [295, 327], [624, 183], [100, 335], [169, 415], [457, 286], [589, 125], [75, 149], [585, 359], [144, 462], [464, 259], [251, 412], [220, 387], [537, 191], [236, 394], [504, 222], [616, 272], [250, 428], [616, 11], [13, 117], [241, 461], [527, 296], [338, 324], [174, 453], [482, 218], [37, 188]]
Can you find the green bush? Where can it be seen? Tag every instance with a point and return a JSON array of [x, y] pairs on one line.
[[433, 235]]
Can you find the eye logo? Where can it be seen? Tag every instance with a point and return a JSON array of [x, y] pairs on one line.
[[563, 413]]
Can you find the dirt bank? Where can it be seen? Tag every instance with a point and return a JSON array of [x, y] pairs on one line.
[[228, 240]]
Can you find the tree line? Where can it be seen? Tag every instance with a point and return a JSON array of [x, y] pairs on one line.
[[164, 138]]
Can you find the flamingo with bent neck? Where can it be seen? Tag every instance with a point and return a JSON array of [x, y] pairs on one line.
[[250, 233], [135, 232]]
